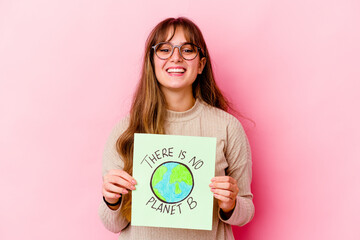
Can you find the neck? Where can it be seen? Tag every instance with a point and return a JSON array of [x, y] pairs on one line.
[[179, 102]]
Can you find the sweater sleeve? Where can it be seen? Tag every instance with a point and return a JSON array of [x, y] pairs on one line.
[[238, 156], [112, 219]]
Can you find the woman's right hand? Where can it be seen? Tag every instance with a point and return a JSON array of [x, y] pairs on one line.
[[115, 183]]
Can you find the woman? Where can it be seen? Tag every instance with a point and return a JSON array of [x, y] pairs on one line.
[[177, 94]]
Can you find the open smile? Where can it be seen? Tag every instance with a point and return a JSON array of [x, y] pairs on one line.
[[176, 71]]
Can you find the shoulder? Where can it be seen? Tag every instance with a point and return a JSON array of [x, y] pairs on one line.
[[117, 130], [226, 127], [111, 158], [120, 126], [221, 117]]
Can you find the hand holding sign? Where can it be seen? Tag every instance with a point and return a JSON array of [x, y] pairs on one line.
[[225, 189], [117, 182]]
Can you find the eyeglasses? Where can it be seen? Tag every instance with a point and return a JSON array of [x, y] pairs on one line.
[[165, 50]]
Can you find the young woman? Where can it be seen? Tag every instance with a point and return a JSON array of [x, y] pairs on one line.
[[177, 95]]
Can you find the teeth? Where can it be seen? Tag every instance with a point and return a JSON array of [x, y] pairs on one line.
[[176, 70]]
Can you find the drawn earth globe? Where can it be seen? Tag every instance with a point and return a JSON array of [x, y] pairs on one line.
[[172, 182]]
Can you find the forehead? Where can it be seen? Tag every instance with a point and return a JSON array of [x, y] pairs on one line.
[[175, 34]]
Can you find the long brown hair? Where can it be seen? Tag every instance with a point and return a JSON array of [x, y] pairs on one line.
[[148, 109]]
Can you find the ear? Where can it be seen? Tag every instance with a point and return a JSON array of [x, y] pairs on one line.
[[201, 65]]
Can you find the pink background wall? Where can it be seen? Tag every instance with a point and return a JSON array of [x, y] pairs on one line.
[[68, 70]]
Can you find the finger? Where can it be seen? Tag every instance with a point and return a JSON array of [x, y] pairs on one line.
[[123, 174], [224, 179], [225, 193], [114, 188], [121, 182], [223, 185], [110, 195], [222, 198]]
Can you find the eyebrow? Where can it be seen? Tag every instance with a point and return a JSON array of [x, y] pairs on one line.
[[180, 42]]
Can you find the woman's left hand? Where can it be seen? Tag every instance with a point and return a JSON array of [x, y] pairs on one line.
[[225, 190]]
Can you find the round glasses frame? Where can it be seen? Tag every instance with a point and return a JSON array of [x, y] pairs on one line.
[[178, 47]]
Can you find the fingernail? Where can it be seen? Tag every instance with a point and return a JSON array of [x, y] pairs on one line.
[[124, 191], [133, 181], [211, 184]]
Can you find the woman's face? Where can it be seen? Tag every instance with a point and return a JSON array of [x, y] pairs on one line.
[[176, 74]]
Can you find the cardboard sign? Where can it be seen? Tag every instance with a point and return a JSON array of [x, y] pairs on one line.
[[173, 175]]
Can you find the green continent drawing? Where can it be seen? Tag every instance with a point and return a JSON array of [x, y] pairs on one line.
[[158, 175], [181, 173], [172, 182]]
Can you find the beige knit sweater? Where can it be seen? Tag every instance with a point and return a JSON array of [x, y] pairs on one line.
[[233, 158]]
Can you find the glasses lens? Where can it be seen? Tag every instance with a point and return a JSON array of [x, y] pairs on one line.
[[163, 50], [189, 51]]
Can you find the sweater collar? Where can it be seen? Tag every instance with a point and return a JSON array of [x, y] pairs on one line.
[[173, 116]]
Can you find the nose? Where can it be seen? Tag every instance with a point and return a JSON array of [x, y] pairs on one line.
[[176, 56]]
